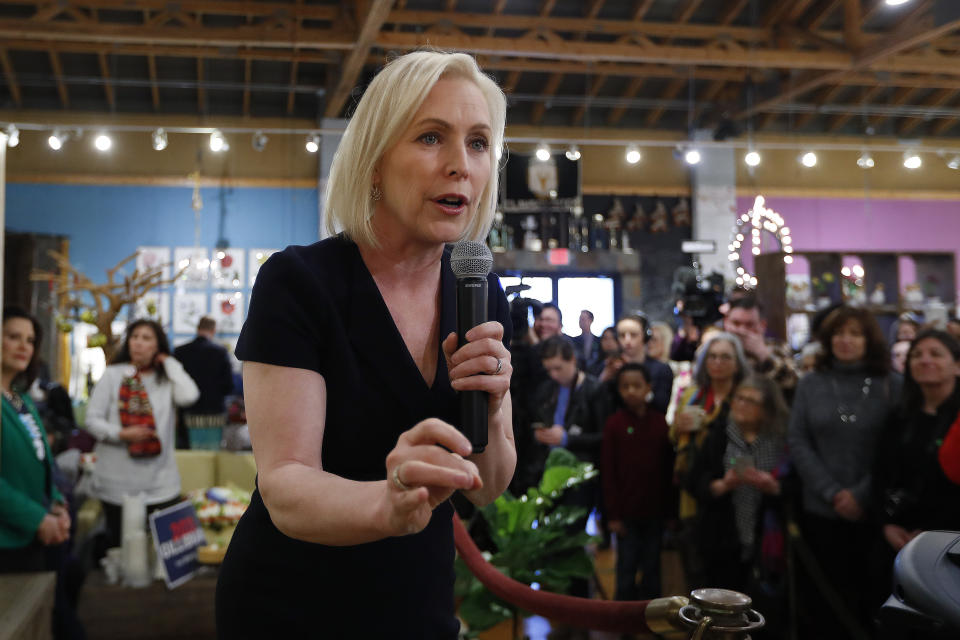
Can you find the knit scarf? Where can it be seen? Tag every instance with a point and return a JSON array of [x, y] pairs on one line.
[[135, 411]]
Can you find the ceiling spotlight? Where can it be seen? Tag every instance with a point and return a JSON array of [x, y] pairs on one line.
[[865, 161], [13, 136], [953, 163], [633, 155], [896, 3], [217, 142], [692, 157], [752, 158], [543, 153], [56, 140], [159, 139], [259, 141], [103, 142], [573, 153], [911, 160], [809, 159], [313, 143]]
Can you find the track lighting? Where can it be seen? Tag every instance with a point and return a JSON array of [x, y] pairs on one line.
[[259, 141], [217, 142], [103, 142], [752, 158], [56, 140], [633, 154], [573, 153], [158, 139], [952, 163], [313, 143], [809, 159], [13, 135], [543, 153], [865, 161], [911, 160]]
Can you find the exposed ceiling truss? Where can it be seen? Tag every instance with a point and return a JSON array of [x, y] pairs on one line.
[[816, 66]]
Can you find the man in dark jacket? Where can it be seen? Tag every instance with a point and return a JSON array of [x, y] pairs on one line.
[[209, 365]]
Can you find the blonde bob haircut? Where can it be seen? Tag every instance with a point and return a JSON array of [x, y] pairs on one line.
[[384, 112]]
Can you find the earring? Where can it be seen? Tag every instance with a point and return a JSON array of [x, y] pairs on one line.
[[376, 193]]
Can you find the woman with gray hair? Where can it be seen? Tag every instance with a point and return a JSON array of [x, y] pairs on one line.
[[351, 374], [703, 407]]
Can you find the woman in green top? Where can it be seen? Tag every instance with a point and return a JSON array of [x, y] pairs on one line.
[[32, 513]]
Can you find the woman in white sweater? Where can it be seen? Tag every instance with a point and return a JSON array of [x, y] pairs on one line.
[[132, 412]]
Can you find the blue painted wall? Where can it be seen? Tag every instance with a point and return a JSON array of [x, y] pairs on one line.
[[107, 223]]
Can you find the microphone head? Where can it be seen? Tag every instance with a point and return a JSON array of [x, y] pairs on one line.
[[471, 259]]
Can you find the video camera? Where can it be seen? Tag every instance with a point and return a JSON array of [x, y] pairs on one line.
[[699, 297]]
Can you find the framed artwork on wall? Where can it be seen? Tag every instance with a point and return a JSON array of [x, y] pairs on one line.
[[149, 258], [197, 262], [257, 258], [188, 306], [227, 268], [156, 306], [227, 309]]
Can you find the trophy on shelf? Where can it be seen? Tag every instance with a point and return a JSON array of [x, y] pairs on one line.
[[531, 242], [597, 233], [614, 224], [879, 297]]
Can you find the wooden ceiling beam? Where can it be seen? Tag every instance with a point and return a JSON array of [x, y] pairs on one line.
[[823, 96], [247, 73], [866, 95], [673, 89], [774, 13], [640, 9], [546, 7], [47, 9], [58, 76], [944, 125], [370, 25], [292, 94], [154, 89], [819, 13], [594, 9], [549, 90], [732, 11], [592, 92], [900, 97], [107, 85], [852, 25], [616, 113], [797, 10], [686, 10], [11, 77], [497, 10], [937, 99]]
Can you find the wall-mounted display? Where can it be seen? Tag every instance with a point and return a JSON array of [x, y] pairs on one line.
[[257, 258], [188, 306], [227, 310], [197, 263], [227, 268], [150, 258]]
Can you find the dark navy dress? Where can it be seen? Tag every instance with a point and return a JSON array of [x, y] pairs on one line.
[[318, 308]]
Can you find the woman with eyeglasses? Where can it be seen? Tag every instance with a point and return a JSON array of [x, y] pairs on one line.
[[734, 473], [838, 412], [720, 366]]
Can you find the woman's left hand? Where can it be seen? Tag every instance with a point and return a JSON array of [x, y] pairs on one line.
[[485, 354]]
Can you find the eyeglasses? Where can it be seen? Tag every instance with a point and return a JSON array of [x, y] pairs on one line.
[[748, 400], [722, 357]]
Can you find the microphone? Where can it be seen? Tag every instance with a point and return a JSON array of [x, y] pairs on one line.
[[471, 263]]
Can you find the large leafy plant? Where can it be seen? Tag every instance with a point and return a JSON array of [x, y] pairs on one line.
[[535, 542]]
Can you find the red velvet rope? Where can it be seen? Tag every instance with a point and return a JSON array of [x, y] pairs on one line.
[[582, 613]]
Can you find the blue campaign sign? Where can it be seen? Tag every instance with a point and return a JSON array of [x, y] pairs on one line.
[[176, 537]]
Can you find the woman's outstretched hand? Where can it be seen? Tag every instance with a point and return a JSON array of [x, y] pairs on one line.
[[421, 474]]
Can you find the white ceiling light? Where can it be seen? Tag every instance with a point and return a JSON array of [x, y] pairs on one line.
[[865, 161], [56, 140], [953, 163], [692, 157], [633, 154], [259, 141], [809, 159], [543, 153], [158, 139], [13, 135], [896, 3], [217, 142], [313, 143], [103, 142], [573, 153], [752, 158], [911, 160]]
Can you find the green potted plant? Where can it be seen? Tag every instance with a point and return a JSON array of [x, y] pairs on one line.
[[533, 544]]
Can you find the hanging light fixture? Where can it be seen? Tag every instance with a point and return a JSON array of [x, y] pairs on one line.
[[633, 154], [692, 157], [752, 158], [217, 142], [952, 163], [13, 135], [543, 152], [865, 161], [313, 143], [573, 153], [56, 140], [158, 139], [259, 141], [103, 142], [809, 159]]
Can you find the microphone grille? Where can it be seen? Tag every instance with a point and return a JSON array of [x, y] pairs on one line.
[[470, 258]]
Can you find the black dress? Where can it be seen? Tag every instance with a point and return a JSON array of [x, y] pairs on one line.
[[318, 308]]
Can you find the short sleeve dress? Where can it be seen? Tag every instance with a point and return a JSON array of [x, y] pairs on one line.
[[318, 308]]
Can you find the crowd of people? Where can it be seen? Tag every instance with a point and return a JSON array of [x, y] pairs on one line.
[[850, 450]]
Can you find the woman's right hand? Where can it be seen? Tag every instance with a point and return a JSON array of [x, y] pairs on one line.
[[421, 474], [610, 368], [684, 421], [51, 530], [136, 433], [896, 536]]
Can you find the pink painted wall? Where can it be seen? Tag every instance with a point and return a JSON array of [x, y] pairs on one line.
[[839, 224]]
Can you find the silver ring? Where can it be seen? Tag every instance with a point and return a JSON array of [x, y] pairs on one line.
[[499, 367], [397, 482]]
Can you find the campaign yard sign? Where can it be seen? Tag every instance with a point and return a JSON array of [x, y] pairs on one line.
[[176, 537]]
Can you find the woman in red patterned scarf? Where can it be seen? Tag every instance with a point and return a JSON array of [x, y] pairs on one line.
[[132, 414]]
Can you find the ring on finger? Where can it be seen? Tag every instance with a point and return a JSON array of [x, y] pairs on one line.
[[499, 367], [397, 482]]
